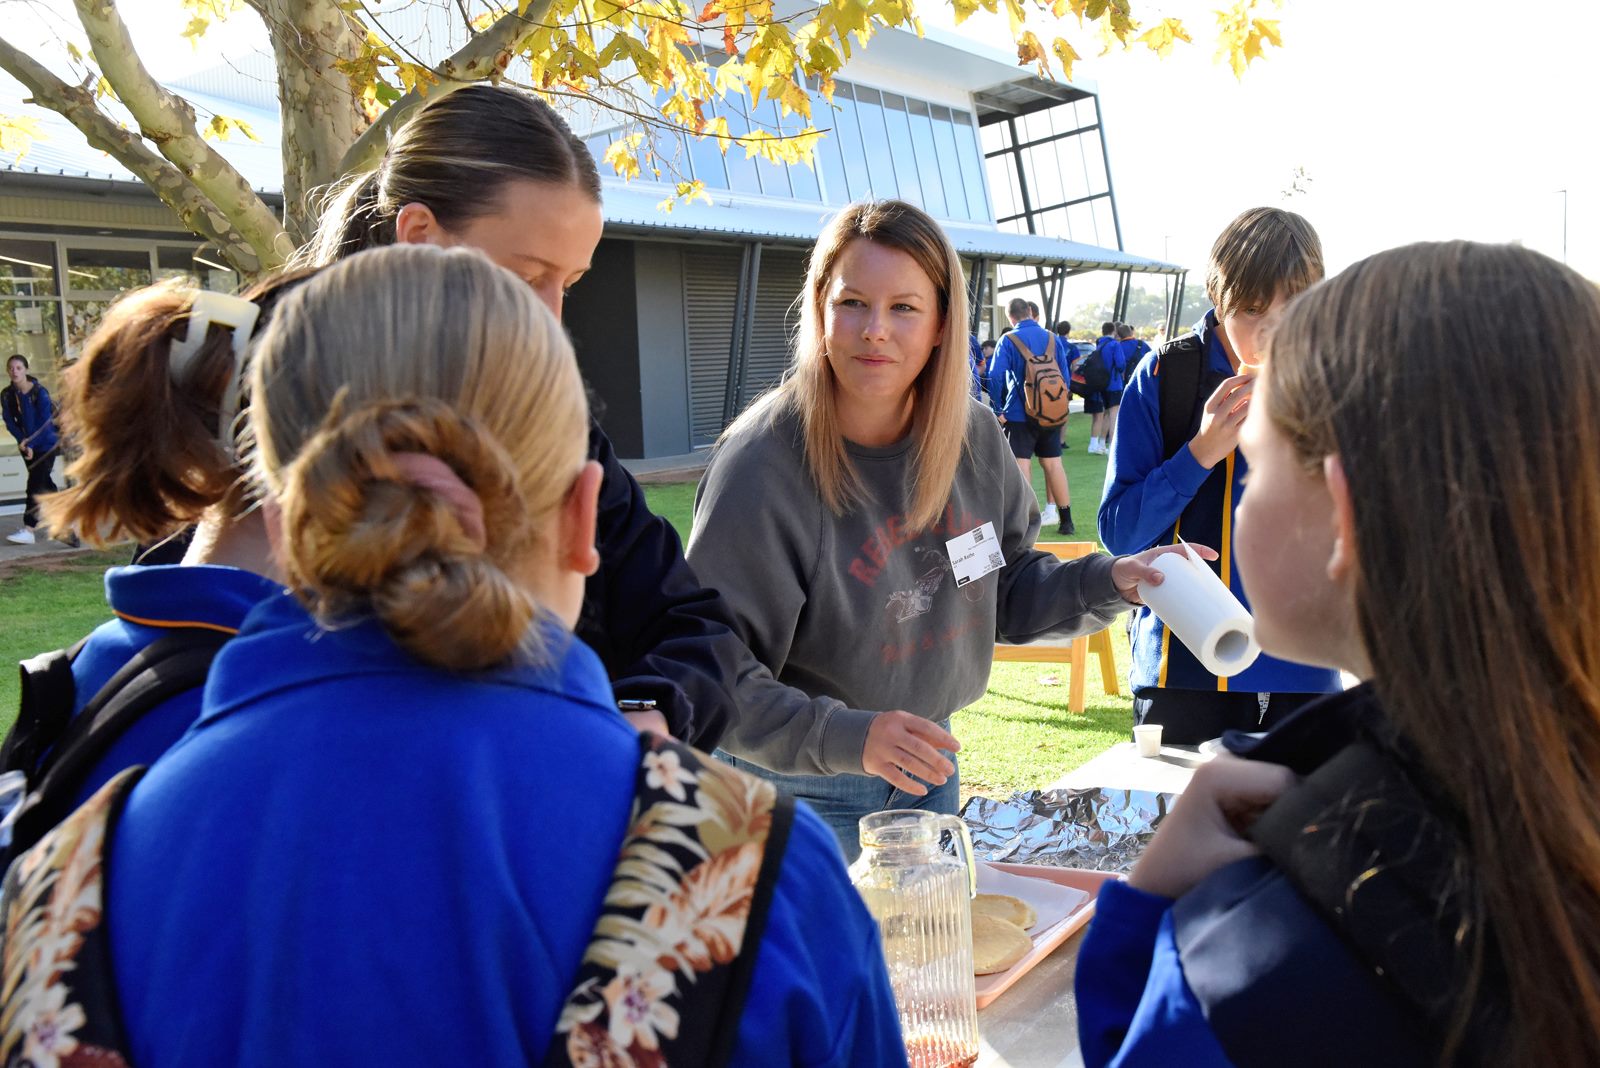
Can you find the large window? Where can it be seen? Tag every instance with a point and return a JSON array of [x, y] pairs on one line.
[[1056, 152], [873, 143]]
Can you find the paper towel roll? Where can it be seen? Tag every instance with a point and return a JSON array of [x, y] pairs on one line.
[[1203, 613]]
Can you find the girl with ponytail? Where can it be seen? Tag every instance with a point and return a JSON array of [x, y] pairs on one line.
[[150, 418], [410, 826]]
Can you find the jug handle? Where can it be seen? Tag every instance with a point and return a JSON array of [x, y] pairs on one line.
[[963, 838]]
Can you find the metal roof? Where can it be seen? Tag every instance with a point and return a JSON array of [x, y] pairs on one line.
[[633, 209]]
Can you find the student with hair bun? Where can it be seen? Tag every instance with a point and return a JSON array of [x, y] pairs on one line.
[[410, 826], [150, 414], [495, 168]]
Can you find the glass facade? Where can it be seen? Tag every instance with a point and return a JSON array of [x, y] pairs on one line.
[[1049, 165], [48, 322], [874, 144]]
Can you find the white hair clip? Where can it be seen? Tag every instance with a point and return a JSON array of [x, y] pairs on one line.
[[219, 309]]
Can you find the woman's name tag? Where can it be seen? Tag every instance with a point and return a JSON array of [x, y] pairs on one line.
[[975, 554]]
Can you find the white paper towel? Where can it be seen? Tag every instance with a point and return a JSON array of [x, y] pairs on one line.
[[1203, 613]]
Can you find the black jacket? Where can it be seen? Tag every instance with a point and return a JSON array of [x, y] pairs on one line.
[[660, 634]]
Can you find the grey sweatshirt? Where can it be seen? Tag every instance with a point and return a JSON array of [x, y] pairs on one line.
[[858, 613]]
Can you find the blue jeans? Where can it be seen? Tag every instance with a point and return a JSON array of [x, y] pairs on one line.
[[841, 800]]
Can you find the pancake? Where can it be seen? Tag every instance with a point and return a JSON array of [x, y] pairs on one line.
[[1005, 907], [997, 944]]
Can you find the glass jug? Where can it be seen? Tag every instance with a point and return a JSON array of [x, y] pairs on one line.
[[922, 900]]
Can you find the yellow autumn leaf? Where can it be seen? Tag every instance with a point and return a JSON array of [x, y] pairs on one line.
[[1066, 55], [622, 154], [1163, 35], [18, 133], [1029, 50]]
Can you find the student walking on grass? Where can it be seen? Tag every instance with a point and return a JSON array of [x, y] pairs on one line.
[[1406, 873], [30, 418], [874, 533], [1175, 474], [1011, 390]]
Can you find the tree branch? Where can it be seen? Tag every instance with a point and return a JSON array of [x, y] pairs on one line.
[[480, 58], [78, 107], [167, 121]]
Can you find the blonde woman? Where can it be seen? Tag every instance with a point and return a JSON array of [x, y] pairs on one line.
[[870, 529], [403, 830]]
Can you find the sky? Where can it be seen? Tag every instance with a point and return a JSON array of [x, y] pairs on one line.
[[1414, 119]]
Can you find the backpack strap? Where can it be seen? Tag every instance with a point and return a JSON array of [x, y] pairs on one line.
[[1180, 375], [59, 984], [683, 918], [173, 664], [48, 695]]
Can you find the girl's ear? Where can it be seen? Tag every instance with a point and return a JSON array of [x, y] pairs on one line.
[[415, 224], [1342, 562], [576, 550]]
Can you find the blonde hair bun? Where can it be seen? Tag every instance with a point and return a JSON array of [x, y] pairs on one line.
[[360, 534]]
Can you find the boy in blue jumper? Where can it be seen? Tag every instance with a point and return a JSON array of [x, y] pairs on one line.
[[1007, 375], [1098, 404], [1174, 472]]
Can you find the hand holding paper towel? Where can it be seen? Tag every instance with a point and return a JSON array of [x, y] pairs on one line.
[[1202, 613]]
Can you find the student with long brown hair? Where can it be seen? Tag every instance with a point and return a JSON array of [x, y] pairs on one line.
[[874, 536], [410, 826], [1423, 885]]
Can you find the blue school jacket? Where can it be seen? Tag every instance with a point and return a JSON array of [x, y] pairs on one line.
[[1008, 371], [354, 858], [1149, 501], [150, 602], [30, 417]]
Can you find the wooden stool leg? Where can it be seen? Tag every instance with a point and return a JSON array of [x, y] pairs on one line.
[[1080, 667], [1108, 663]]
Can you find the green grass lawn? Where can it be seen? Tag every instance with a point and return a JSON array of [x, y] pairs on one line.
[[1019, 736]]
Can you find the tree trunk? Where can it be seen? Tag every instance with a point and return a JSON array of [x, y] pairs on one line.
[[322, 114]]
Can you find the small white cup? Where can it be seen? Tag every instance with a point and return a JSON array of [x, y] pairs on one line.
[[1147, 736]]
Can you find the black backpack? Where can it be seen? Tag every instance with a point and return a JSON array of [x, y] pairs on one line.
[[1091, 374], [55, 750], [1186, 383]]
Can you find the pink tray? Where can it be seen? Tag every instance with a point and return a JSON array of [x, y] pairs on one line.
[[1046, 941]]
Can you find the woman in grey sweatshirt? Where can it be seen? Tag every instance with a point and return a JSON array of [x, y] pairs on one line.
[[873, 535]]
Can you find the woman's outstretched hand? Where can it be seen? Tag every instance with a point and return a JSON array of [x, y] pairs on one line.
[[1206, 829], [899, 743], [1129, 571]]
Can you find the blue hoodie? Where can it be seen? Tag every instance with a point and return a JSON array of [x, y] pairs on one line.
[[1149, 501], [354, 858]]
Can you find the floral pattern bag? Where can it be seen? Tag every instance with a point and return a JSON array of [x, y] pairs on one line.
[[663, 980]]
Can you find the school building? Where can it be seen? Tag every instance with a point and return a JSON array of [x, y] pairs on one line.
[[686, 316]]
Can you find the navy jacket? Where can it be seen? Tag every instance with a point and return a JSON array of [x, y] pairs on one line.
[[660, 634], [30, 416], [1343, 954]]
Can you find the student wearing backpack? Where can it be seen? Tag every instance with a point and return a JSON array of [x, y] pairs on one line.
[[1406, 873], [408, 810], [1174, 473], [1028, 384], [1130, 350], [150, 415]]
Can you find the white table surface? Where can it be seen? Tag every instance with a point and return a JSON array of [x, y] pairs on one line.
[[1035, 1023]]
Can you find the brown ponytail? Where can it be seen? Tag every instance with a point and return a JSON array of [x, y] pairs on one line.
[[147, 452]]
